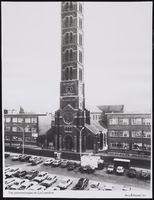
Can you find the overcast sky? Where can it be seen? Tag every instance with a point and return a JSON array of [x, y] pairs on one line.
[[117, 55]]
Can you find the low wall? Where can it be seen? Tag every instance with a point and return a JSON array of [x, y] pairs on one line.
[[108, 159]]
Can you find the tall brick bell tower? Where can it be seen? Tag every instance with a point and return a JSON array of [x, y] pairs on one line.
[[72, 115]]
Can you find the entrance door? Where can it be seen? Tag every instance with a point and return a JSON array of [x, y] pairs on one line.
[[68, 142]]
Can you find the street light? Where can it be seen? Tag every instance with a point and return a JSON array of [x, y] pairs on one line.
[[23, 135], [80, 130]]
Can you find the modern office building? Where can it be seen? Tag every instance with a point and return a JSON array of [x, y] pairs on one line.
[[129, 132], [24, 125]]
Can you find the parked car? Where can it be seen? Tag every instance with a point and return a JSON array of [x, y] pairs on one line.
[[49, 181], [56, 163], [110, 169], [32, 185], [143, 175], [8, 185], [131, 173], [16, 184], [49, 161], [126, 188], [20, 174], [37, 187], [11, 172], [71, 166], [52, 188], [32, 174], [64, 163], [32, 158], [7, 155], [37, 161], [41, 177], [81, 184], [9, 180], [100, 164], [87, 169], [94, 186], [17, 157], [120, 170], [24, 158], [26, 185], [65, 183], [7, 169], [108, 187]]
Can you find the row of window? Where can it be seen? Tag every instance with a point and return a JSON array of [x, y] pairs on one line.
[[69, 38], [21, 119], [20, 139], [69, 21], [126, 146], [135, 134], [134, 121], [69, 75], [68, 55], [69, 6], [96, 117], [17, 129], [68, 129]]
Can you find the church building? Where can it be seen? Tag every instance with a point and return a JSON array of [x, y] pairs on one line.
[[73, 130]]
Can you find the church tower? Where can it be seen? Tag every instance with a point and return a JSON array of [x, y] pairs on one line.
[[72, 115]]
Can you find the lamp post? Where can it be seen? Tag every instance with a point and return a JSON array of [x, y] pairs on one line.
[[80, 131], [23, 133], [23, 137]]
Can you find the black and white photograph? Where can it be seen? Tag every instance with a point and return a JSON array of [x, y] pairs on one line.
[[77, 99]]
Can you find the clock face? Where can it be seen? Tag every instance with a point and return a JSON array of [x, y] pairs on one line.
[[69, 89], [68, 117]]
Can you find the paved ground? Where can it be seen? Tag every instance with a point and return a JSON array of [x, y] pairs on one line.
[[99, 175]]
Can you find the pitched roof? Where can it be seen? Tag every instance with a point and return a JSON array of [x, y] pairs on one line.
[[94, 109], [111, 108], [95, 127]]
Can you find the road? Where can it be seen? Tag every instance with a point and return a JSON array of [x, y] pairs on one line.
[[99, 175]]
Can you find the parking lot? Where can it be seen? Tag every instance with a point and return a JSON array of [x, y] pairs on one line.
[[106, 181]]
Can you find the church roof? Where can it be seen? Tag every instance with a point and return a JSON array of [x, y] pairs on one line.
[[95, 127], [112, 108], [94, 109]]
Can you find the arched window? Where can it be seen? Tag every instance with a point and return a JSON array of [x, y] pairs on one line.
[[80, 8], [71, 5], [80, 56], [71, 20], [67, 5], [80, 39], [71, 37], [71, 73], [67, 38], [67, 21], [80, 74], [67, 55], [80, 23], [66, 73], [71, 54]]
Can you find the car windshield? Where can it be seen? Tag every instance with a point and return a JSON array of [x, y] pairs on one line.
[[80, 181], [12, 170], [64, 181], [40, 175], [31, 172], [23, 186], [120, 167], [49, 178], [16, 183]]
